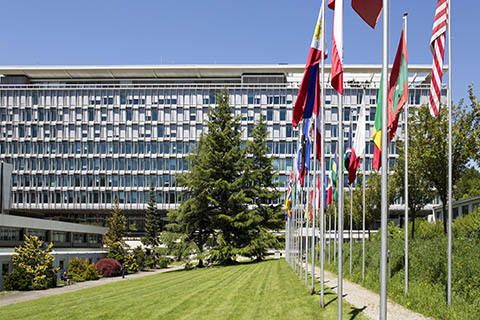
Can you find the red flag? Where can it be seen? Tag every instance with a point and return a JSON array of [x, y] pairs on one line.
[[437, 46], [308, 99], [337, 51], [368, 10]]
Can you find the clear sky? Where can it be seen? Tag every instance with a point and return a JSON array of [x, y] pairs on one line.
[[119, 32]]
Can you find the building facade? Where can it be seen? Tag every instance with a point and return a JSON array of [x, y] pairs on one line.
[[79, 137]]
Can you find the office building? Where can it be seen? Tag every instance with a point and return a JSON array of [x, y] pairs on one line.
[[80, 136]]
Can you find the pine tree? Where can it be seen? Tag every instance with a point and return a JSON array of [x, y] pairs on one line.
[[117, 229], [265, 216], [216, 206], [152, 220]]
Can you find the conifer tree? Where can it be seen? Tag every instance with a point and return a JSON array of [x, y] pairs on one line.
[[152, 220], [117, 229], [265, 216], [216, 205]]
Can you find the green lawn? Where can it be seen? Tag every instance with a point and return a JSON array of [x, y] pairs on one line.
[[266, 290]]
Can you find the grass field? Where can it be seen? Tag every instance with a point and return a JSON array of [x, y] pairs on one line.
[[266, 290]]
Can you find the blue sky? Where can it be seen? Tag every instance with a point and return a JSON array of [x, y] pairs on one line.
[[108, 32]]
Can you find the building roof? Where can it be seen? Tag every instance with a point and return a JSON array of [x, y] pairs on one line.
[[34, 223], [180, 71]]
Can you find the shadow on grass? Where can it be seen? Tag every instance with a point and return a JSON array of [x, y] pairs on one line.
[[356, 311], [332, 300]]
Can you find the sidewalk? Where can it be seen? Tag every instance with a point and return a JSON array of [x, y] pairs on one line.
[[367, 300], [31, 295]]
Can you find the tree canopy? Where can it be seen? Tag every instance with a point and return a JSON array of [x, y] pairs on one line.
[[226, 199]]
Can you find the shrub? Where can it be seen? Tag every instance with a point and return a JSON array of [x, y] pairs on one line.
[[90, 272], [131, 265], [467, 226], [76, 269], [108, 267], [18, 279], [140, 257], [163, 262], [34, 259], [116, 252], [428, 230]]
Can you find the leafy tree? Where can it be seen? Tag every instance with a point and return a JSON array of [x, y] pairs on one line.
[[264, 216], [373, 200], [420, 191], [34, 261], [152, 220], [468, 185], [432, 134], [117, 229]]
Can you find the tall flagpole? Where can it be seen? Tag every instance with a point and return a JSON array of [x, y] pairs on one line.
[[322, 164], [351, 222], [335, 231], [363, 215], [449, 105], [329, 234], [384, 179], [313, 206], [340, 205], [406, 172]]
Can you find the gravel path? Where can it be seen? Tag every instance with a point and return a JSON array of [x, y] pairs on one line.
[[21, 296], [367, 300]]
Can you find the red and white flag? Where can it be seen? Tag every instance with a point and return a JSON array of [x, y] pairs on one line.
[[337, 50], [437, 46], [358, 145]]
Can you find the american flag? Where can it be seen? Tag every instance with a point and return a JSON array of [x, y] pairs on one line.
[[437, 45]]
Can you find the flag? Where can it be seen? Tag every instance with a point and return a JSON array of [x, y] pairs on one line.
[[337, 50], [303, 162], [377, 130], [437, 46], [318, 139], [329, 192], [348, 151], [368, 10], [333, 169], [398, 86], [317, 193], [358, 145], [397, 97], [308, 99], [288, 201]]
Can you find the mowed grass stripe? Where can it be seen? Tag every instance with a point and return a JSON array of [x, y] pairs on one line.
[[266, 290], [194, 297], [224, 282]]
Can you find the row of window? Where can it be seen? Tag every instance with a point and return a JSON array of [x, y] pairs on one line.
[[15, 234], [98, 148], [93, 197], [141, 97], [93, 180]]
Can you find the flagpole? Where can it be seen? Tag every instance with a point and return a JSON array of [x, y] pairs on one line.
[[335, 233], [340, 207], [363, 196], [406, 171], [322, 163], [384, 157], [313, 206], [329, 234], [351, 222], [450, 173]]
